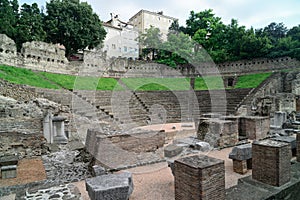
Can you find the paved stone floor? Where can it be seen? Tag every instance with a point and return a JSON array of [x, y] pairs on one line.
[[62, 192]]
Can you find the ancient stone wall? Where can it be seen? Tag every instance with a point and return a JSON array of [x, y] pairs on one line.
[[50, 57], [279, 92], [17, 92], [23, 145], [22, 111], [139, 142]]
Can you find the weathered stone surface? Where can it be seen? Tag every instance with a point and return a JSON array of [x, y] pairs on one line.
[[218, 133], [110, 187], [98, 170], [172, 150], [241, 152], [279, 119], [287, 139], [240, 166], [199, 177], [186, 142], [9, 171], [271, 162], [203, 146], [254, 128]]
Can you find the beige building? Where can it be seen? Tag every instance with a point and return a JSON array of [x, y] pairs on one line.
[[121, 39], [145, 19]]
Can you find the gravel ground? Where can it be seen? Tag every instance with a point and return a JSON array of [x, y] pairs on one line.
[[157, 182]]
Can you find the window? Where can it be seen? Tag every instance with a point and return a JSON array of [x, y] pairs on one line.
[[125, 49], [113, 46]]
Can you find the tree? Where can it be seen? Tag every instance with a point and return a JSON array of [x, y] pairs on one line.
[[177, 50], [73, 24], [8, 17], [151, 41], [233, 40], [175, 28], [254, 46], [275, 31], [30, 25], [205, 20]]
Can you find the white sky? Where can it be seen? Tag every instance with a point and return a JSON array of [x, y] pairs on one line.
[[255, 13]]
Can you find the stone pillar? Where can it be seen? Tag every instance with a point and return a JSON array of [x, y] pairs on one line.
[[59, 130], [47, 128], [279, 119], [271, 162], [298, 147], [199, 178]]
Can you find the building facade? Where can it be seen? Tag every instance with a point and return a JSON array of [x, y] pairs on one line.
[[121, 39], [145, 19]]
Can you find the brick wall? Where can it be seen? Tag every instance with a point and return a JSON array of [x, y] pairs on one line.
[[271, 162], [199, 178]]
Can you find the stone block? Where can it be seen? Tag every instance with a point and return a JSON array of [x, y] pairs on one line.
[[203, 146], [240, 166], [279, 119], [241, 152], [254, 128], [9, 171], [110, 187], [186, 142], [172, 150], [218, 133], [98, 170], [199, 177], [271, 162], [287, 139], [9, 160]]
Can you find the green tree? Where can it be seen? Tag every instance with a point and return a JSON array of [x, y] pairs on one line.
[[294, 34], [177, 50], [151, 41], [205, 20], [8, 17], [73, 24], [233, 40], [254, 46], [275, 31], [30, 25]]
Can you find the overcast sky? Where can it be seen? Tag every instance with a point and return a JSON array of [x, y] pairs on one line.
[[255, 13]]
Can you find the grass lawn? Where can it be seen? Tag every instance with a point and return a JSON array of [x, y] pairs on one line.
[[24, 76], [251, 80], [83, 83], [209, 83], [28, 77], [152, 84]]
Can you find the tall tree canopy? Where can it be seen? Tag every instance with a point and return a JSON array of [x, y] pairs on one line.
[[151, 41], [73, 24], [30, 25], [8, 17]]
